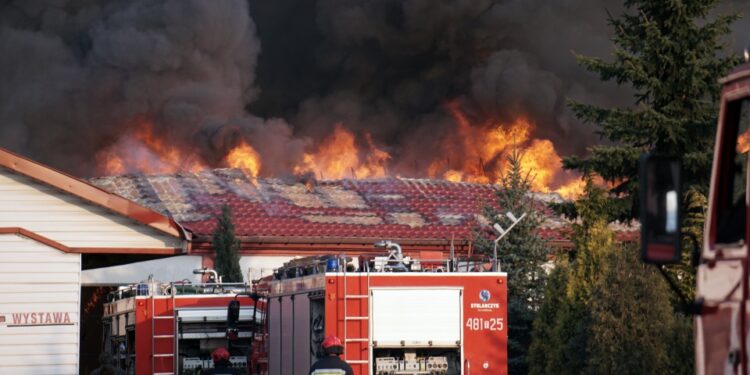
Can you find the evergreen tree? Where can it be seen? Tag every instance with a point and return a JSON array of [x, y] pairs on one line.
[[631, 318], [681, 346], [670, 53], [695, 215], [544, 341], [682, 356], [567, 336], [521, 253], [227, 247], [592, 240], [605, 312]]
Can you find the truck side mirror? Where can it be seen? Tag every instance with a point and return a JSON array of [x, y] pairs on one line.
[[233, 318], [660, 209]]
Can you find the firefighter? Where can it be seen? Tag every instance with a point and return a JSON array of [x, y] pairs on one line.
[[221, 363], [331, 364], [106, 367]]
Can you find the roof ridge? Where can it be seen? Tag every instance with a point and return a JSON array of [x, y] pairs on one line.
[[300, 179], [89, 192]]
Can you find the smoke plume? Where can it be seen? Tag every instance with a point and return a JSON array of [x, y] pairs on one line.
[[82, 76]]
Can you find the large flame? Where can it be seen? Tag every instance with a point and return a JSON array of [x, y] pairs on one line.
[[245, 157], [339, 157], [480, 154], [143, 151]]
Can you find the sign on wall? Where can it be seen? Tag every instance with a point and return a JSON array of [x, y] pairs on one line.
[[37, 318]]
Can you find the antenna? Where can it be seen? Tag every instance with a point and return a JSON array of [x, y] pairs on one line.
[[453, 255], [502, 232]]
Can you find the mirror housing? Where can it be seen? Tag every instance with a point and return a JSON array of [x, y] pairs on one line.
[[233, 318], [660, 209]]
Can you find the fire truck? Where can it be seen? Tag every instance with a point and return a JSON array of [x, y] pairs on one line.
[[172, 328], [395, 314], [722, 323]]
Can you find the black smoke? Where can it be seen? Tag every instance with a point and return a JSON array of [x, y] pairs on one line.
[[79, 76]]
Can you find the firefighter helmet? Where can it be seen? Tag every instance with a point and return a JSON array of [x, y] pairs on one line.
[[220, 354], [332, 345]]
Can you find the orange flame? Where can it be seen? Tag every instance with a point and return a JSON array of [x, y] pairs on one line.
[[743, 142], [572, 189], [478, 154], [542, 161], [245, 157], [338, 157], [145, 152], [112, 164], [481, 151]]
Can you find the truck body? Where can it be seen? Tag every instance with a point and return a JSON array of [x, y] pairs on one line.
[[722, 318], [721, 328], [160, 328], [395, 315], [416, 318]]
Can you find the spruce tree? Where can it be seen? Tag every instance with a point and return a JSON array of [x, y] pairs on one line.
[[544, 340], [521, 253], [566, 336], [592, 240], [631, 318], [671, 54], [604, 311], [227, 247]]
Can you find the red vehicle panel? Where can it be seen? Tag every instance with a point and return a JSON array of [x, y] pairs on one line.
[[348, 311]]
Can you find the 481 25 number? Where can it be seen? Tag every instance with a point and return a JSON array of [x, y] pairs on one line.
[[481, 324]]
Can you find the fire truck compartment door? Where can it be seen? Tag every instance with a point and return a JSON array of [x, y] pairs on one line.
[[410, 317], [197, 315]]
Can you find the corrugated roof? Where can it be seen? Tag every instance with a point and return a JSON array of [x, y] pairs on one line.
[[388, 208]]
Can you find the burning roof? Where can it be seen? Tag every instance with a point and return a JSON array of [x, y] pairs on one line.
[[394, 208]]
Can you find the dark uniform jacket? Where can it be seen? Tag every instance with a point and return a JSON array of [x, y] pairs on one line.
[[331, 363], [220, 370], [106, 370]]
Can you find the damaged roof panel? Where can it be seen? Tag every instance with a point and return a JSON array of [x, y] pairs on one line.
[[397, 208]]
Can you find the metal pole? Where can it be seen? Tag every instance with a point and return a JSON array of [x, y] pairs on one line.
[[494, 257]]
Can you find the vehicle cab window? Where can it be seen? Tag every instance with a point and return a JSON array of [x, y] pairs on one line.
[[730, 197]]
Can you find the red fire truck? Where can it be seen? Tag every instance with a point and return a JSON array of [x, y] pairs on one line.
[[395, 314], [722, 324], [169, 328]]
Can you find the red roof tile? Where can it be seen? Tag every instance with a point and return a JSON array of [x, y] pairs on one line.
[[390, 208]]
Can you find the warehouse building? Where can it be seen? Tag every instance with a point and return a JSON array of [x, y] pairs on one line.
[[276, 219], [65, 242]]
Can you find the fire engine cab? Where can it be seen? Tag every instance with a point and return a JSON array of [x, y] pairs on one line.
[[393, 313], [172, 328]]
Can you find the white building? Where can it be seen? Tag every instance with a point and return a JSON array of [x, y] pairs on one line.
[[52, 227]]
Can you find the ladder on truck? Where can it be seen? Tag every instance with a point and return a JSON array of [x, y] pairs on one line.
[[362, 319], [160, 334]]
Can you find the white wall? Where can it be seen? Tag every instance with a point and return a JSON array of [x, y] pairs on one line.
[[256, 266], [177, 268], [70, 220], [35, 278]]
